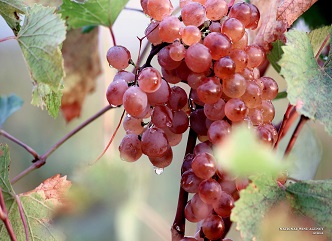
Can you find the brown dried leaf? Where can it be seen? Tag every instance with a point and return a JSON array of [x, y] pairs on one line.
[[82, 67], [52, 189], [290, 10]]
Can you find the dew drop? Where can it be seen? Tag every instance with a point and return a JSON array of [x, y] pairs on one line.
[[178, 228], [158, 170]]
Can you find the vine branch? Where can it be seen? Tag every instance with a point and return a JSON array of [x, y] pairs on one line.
[[7, 38]]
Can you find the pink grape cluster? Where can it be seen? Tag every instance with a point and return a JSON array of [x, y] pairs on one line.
[[207, 48]]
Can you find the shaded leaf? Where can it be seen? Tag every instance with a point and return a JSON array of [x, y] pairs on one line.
[[257, 199], [236, 155], [40, 38], [309, 85], [10, 10], [290, 10], [97, 12], [82, 67], [38, 205], [317, 37], [275, 54], [313, 199], [9, 105]]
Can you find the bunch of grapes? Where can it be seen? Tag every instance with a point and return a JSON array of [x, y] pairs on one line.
[[207, 48]]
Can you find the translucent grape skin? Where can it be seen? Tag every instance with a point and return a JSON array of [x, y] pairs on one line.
[[193, 14], [180, 122], [209, 191], [197, 122], [190, 182], [215, 111], [190, 35], [132, 125], [213, 227], [219, 45], [115, 92], [165, 60], [178, 98], [130, 148], [224, 205], [169, 29], [163, 161], [161, 95], [218, 130], [224, 67], [235, 110], [199, 208], [154, 142], [233, 28], [158, 9], [118, 57], [210, 91], [242, 12], [215, 9], [152, 33], [204, 165], [234, 86], [162, 116], [198, 58], [135, 101], [149, 79]]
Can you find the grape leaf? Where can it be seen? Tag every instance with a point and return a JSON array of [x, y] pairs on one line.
[[313, 199], [38, 205], [309, 85], [91, 12], [9, 105], [47, 3], [82, 67], [40, 38], [10, 10], [290, 10], [317, 37], [257, 199], [236, 155], [275, 54]]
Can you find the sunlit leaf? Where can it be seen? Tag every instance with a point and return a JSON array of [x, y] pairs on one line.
[[40, 38]]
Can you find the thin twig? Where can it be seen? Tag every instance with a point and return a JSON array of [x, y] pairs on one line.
[[155, 50], [24, 221], [42, 159], [178, 227], [20, 143], [296, 133], [322, 46], [283, 123], [112, 35], [133, 9], [5, 220], [7, 38]]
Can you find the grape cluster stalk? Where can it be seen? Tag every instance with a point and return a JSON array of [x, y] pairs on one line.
[[207, 48]]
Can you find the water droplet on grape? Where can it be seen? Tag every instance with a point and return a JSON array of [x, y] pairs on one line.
[[158, 170], [178, 228]]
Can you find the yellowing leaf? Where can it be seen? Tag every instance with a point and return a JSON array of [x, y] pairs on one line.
[[40, 38], [91, 12], [39, 205], [10, 10]]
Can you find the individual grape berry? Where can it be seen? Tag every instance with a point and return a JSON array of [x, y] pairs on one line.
[[162, 116], [241, 183], [256, 55], [188, 239], [132, 125], [198, 58], [256, 117], [194, 80], [152, 33], [218, 130], [180, 122], [158, 9], [170, 76], [228, 185], [190, 182], [164, 161], [234, 86], [203, 147], [242, 43], [224, 67], [144, 5], [224, 205], [165, 60], [189, 214], [190, 35], [265, 135], [130, 148], [200, 209], [215, 111], [195, 99], [182, 71], [178, 98], [216, 9], [254, 18], [219, 45], [197, 122], [272, 129], [242, 12], [209, 191], [268, 111], [235, 110], [215, 27], [177, 51], [129, 77], [193, 14], [252, 96], [169, 29], [154, 142], [161, 95], [186, 164], [233, 28], [173, 138], [210, 91], [149, 79], [240, 59], [270, 89], [135, 101], [118, 57], [115, 92], [204, 165], [213, 227]]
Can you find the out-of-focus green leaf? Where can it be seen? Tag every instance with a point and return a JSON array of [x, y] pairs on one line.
[[309, 85], [10, 10], [313, 199], [40, 38], [9, 105], [91, 12], [275, 54]]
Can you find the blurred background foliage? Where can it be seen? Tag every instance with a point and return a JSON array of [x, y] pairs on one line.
[[115, 200]]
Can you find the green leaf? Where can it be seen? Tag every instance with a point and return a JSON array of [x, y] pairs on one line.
[[257, 199], [91, 12], [9, 105], [313, 199], [317, 37], [309, 85], [275, 54], [10, 10], [242, 154], [38, 205], [40, 38], [281, 95]]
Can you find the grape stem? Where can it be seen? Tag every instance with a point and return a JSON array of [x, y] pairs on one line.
[[133, 9], [7, 38], [178, 227], [322, 46], [112, 35], [42, 159], [155, 50], [25, 225], [4, 217], [295, 134]]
